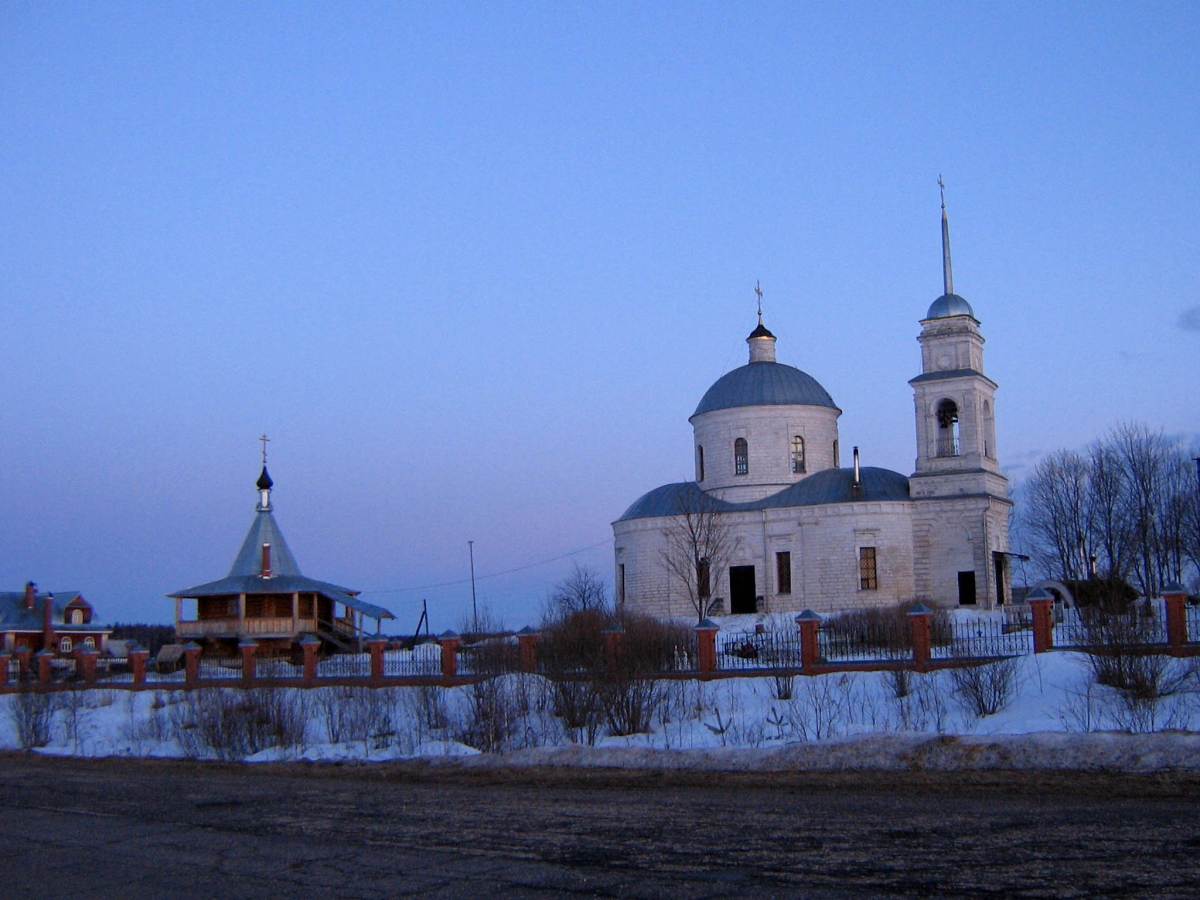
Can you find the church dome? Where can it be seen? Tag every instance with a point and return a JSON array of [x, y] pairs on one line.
[[764, 384], [949, 305]]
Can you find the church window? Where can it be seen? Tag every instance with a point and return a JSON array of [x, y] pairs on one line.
[[741, 457], [947, 433], [621, 585], [836, 459], [868, 578], [797, 455], [699, 462], [64, 646], [89, 642], [783, 572], [989, 431]]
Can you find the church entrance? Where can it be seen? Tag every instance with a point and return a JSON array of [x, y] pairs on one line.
[[741, 590], [966, 588]]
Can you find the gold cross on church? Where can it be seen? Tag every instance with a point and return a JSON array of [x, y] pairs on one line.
[[264, 439]]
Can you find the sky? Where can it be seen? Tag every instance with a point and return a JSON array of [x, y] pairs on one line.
[[472, 265]]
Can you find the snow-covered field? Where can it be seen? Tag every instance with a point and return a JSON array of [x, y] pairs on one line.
[[1056, 717]]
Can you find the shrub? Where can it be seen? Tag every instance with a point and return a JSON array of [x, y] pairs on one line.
[[32, 714], [985, 690], [234, 724], [887, 627]]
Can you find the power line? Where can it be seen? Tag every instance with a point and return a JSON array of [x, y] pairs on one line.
[[532, 565]]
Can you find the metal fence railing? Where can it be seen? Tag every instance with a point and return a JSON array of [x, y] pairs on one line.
[[760, 650], [866, 642], [345, 665], [1092, 628], [421, 660], [984, 639], [220, 667]]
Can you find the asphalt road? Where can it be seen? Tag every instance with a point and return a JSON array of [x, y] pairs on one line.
[[72, 828]]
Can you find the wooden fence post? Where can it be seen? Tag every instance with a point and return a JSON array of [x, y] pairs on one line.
[[1041, 604], [919, 619], [527, 641], [137, 663], [810, 640], [376, 646], [310, 644], [247, 646], [706, 648], [450, 641], [1176, 599], [191, 664]]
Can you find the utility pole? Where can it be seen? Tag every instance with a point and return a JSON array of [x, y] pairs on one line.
[[474, 607]]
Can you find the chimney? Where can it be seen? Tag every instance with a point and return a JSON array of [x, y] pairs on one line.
[[30, 594], [48, 623], [266, 560]]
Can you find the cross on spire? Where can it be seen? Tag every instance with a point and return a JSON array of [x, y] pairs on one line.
[[942, 189], [758, 292], [263, 439], [947, 270]]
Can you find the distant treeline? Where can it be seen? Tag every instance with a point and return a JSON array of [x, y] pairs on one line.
[[152, 637]]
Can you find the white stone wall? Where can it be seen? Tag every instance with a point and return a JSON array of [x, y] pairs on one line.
[[768, 431], [823, 542]]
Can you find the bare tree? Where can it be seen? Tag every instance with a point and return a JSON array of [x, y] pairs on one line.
[[698, 544], [581, 591]]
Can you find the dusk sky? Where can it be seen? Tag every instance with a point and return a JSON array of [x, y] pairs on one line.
[[471, 266]]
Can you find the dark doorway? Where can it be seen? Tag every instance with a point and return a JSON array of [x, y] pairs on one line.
[[998, 560], [966, 588], [741, 590]]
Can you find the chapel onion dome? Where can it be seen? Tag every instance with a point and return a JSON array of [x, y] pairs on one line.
[[264, 482]]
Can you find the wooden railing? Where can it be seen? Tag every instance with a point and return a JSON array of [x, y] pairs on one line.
[[276, 626]]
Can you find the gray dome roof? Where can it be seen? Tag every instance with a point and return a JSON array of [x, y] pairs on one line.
[[764, 384], [949, 305], [818, 489]]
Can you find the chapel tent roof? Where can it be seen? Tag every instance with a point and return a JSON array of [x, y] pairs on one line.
[[764, 384], [828, 486]]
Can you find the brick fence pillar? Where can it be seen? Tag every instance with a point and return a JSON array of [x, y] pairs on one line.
[[809, 624], [1176, 599], [527, 642], [1041, 604], [5, 656], [612, 644], [23, 654], [450, 642], [920, 619], [45, 658], [376, 646], [137, 663], [310, 645], [247, 647], [85, 664], [706, 648], [191, 664]]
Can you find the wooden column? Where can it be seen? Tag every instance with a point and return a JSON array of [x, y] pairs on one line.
[[241, 612], [296, 612]]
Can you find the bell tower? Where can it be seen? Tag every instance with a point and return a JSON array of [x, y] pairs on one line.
[[961, 521]]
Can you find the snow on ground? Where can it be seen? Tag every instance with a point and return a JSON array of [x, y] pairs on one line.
[[1055, 718]]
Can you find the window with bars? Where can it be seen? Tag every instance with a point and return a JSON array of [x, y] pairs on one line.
[[699, 462], [783, 572], [868, 577], [797, 455], [741, 457]]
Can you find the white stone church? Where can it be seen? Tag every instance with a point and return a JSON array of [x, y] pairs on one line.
[[802, 532]]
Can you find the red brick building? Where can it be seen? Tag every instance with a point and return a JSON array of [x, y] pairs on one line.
[[62, 621]]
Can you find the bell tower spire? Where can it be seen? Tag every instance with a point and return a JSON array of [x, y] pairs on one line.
[[947, 270]]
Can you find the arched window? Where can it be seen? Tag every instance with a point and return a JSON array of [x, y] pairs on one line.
[[797, 455], [64, 646], [947, 433], [77, 617], [699, 462], [741, 457], [90, 643]]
